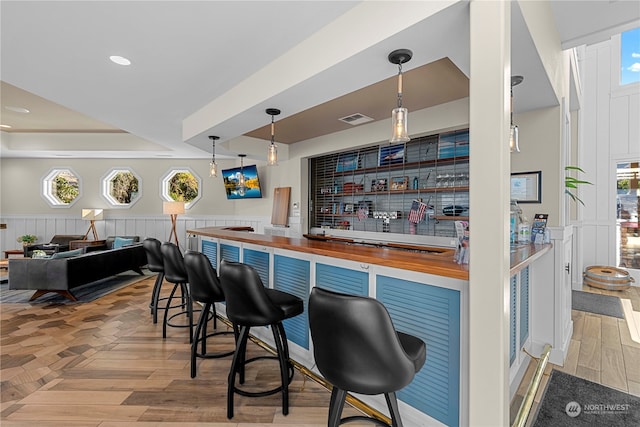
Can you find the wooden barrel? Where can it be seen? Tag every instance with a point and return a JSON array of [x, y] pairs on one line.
[[610, 278]]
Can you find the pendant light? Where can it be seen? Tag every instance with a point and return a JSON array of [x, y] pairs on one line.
[[272, 153], [242, 187], [513, 131], [399, 131], [213, 167]]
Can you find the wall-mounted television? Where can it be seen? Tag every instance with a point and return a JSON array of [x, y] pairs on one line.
[[231, 178]]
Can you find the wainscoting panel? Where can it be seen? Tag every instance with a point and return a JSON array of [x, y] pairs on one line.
[[157, 226]]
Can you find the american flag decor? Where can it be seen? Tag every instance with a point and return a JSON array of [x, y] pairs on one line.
[[416, 213]]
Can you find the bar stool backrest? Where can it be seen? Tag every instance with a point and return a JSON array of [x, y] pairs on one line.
[[174, 271], [355, 345], [203, 278], [247, 300], [154, 256]]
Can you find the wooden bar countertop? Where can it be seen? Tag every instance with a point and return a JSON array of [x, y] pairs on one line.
[[439, 262]]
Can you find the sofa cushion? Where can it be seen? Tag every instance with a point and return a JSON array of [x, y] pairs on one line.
[[121, 241], [110, 240], [67, 254]]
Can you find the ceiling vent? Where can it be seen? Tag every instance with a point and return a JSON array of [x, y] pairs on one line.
[[356, 119]]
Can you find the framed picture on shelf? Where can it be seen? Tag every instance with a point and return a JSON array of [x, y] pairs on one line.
[[526, 187], [391, 155], [399, 182], [379, 184], [348, 208], [347, 162]]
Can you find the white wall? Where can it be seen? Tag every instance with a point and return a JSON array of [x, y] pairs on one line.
[[610, 133], [540, 131]]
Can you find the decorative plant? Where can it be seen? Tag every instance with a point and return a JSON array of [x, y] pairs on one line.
[[27, 239], [571, 183]]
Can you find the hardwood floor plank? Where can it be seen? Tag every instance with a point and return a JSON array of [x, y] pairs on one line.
[[571, 361], [632, 362], [613, 371], [110, 384], [169, 424], [9, 423], [590, 354], [66, 413], [610, 333], [588, 374], [57, 397]]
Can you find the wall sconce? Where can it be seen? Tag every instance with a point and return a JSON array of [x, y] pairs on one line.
[[242, 187], [272, 153], [173, 209], [213, 167], [399, 129], [92, 215], [513, 132]]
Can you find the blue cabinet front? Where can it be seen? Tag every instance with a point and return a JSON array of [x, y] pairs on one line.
[[291, 275], [259, 260], [229, 252], [210, 250], [339, 279], [432, 314]]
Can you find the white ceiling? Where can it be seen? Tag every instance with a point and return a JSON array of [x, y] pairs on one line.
[[212, 67]]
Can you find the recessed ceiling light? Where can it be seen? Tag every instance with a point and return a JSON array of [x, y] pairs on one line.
[[120, 60], [17, 109], [5, 126]]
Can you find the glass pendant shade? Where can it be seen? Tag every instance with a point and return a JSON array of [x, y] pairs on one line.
[[213, 167], [399, 115], [272, 154], [514, 147], [399, 130], [272, 151], [513, 139]]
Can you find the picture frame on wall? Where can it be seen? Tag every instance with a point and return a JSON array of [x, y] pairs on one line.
[[526, 187], [399, 182], [379, 184], [347, 162], [391, 155]]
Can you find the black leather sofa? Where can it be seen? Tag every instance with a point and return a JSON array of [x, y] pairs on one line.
[[63, 274]]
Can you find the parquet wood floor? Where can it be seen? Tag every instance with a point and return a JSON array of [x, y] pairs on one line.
[[105, 364]]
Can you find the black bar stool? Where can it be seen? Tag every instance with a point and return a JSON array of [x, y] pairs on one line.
[[204, 288], [357, 349], [155, 264], [174, 272], [250, 304]]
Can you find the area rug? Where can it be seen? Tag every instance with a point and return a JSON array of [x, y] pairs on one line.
[[85, 293], [571, 401], [597, 303]]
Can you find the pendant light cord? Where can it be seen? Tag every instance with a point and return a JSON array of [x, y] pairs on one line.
[[400, 85]]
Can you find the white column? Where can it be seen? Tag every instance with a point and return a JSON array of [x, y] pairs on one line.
[[490, 45]]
